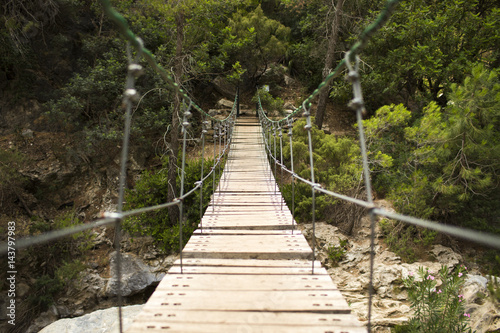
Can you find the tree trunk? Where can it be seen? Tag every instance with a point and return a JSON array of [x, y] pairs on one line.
[[330, 57], [174, 134]]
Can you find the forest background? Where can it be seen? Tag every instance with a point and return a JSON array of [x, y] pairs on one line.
[[429, 77]]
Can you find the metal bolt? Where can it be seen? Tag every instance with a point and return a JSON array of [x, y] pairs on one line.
[[136, 70], [356, 103]]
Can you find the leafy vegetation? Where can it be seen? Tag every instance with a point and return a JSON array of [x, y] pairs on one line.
[[271, 105], [442, 162], [337, 167], [151, 189], [337, 252], [425, 48], [437, 301]]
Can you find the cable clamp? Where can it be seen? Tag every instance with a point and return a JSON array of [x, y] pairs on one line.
[[131, 94], [112, 215], [136, 70]]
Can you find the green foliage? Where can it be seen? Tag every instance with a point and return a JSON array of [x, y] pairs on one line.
[[82, 241], [76, 244], [44, 290], [406, 241], [436, 301], [68, 271], [337, 252], [271, 105], [442, 164], [425, 48], [337, 168], [10, 163], [151, 189], [254, 40], [236, 73]]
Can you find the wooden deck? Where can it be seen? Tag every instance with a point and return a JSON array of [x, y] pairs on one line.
[[245, 269]]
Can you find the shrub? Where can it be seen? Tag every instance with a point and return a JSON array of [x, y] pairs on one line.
[[68, 271], [437, 301], [43, 292], [151, 190], [270, 104], [337, 252], [337, 168]]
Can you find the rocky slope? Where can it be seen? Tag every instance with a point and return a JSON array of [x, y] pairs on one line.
[[390, 304]]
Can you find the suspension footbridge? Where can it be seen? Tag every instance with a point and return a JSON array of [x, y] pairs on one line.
[[247, 268]]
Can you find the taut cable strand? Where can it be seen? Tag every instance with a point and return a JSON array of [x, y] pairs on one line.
[[130, 95], [281, 155], [290, 135], [308, 128], [185, 124], [357, 104], [214, 136], [203, 133], [275, 161]]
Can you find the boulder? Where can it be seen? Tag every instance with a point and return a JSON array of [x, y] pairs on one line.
[[446, 256], [136, 275], [485, 315], [288, 80], [101, 321], [225, 104]]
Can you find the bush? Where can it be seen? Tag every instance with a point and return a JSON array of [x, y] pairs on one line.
[[44, 290], [406, 241], [68, 271], [151, 190], [272, 106], [437, 301], [337, 252], [337, 168]]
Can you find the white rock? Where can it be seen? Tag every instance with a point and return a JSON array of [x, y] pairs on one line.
[[446, 256], [224, 103], [101, 321]]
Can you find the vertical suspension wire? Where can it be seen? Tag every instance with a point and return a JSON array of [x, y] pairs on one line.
[[214, 166], [225, 143], [290, 135], [185, 125], [308, 128], [274, 158], [134, 70], [281, 160], [269, 152], [357, 104], [219, 158], [203, 133]]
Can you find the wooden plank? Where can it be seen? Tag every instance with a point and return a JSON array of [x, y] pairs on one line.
[[247, 282], [241, 317], [245, 231], [254, 300], [251, 267], [246, 327]]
